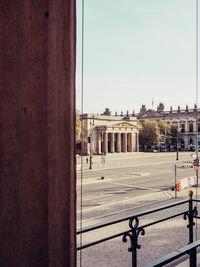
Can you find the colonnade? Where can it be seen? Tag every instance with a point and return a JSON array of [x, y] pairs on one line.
[[112, 142]]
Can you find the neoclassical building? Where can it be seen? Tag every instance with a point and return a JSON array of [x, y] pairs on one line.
[[108, 133], [187, 120]]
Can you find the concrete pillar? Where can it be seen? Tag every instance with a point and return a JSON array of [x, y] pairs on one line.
[[105, 143], [125, 142], [118, 142], [37, 148], [112, 143]]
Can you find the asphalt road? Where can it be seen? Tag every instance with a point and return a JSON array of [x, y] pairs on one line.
[[135, 183], [147, 178]]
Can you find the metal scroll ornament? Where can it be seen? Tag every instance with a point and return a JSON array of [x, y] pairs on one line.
[[133, 234]]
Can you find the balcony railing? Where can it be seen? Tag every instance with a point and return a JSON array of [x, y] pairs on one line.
[[134, 230]]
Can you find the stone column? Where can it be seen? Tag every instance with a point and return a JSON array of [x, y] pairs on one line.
[[137, 142], [130, 142], [105, 143], [186, 126], [37, 148], [194, 128], [112, 143], [133, 142], [125, 143], [99, 143], [118, 142], [186, 140]]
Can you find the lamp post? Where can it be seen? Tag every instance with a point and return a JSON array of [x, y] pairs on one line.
[[90, 166], [178, 130], [91, 141]]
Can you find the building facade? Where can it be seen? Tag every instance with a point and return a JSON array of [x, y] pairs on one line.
[[187, 120], [108, 133]]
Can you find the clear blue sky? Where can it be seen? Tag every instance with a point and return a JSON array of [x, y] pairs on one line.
[[136, 50]]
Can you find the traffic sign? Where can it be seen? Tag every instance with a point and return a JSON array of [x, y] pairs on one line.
[[196, 162]]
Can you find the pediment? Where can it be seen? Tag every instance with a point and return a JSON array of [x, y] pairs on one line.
[[113, 125], [123, 124], [151, 114]]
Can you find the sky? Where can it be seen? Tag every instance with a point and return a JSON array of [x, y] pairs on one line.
[[136, 51]]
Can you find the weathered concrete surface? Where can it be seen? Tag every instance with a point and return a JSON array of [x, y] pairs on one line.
[[37, 114]]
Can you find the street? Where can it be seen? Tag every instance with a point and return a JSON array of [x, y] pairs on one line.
[[109, 192], [131, 184]]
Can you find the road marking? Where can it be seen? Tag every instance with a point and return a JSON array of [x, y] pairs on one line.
[[165, 193], [133, 166], [142, 187], [127, 199], [135, 186], [121, 201], [121, 211], [97, 179]]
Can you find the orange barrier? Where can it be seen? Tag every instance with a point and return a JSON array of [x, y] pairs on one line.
[[178, 187]]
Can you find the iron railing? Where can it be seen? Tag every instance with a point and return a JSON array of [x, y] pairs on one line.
[[135, 230]]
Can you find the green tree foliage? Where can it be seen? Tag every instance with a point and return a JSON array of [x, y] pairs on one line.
[[173, 135], [78, 128], [149, 134], [151, 131], [164, 129]]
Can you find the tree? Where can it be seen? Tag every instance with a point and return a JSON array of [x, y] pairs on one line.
[[149, 134], [78, 127], [173, 135], [164, 129]]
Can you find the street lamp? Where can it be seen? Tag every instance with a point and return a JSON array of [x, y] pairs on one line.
[[178, 130], [91, 141], [90, 166]]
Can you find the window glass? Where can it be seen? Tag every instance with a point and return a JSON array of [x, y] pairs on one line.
[[135, 63]]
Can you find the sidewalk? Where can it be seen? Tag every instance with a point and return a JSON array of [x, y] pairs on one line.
[[158, 241], [124, 159]]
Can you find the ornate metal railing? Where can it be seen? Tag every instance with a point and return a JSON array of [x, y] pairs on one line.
[[135, 230]]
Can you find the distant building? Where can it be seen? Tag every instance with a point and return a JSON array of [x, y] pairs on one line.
[[185, 119], [108, 133]]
